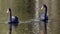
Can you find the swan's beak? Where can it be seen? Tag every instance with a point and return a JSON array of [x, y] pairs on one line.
[[7, 11], [42, 8]]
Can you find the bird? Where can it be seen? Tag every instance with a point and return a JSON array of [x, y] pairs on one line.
[[44, 16], [13, 20]]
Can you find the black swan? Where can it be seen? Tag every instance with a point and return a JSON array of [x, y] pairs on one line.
[[44, 16]]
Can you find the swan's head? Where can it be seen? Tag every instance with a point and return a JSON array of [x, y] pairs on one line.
[[43, 6], [8, 10]]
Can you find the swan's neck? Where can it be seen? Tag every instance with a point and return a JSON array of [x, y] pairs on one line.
[[10, 16]]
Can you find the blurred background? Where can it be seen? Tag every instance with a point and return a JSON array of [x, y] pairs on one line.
[[25, 10]]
